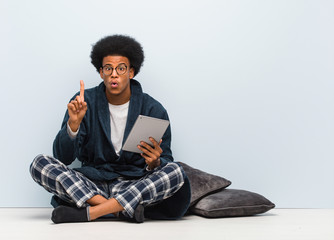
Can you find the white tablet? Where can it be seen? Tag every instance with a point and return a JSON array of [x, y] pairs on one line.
[[144, 128]]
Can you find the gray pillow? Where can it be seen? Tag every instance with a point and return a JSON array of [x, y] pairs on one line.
[[203, 183], [232, 203]]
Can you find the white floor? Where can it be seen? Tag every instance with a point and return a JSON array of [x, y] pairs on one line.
[[35, 223]]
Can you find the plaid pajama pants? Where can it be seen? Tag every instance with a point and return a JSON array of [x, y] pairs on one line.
[[73, 187]]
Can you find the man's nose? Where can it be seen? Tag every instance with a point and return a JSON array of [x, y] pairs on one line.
[[114, 73]]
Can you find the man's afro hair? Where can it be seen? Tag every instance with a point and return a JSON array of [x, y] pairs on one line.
[[118, 45]]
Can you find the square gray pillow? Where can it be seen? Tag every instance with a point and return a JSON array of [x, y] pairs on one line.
[[232, 203], [203, 183]]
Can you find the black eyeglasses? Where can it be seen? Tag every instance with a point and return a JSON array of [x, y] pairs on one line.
[[120, 69]]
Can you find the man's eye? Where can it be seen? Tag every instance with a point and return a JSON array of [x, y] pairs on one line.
[[107, 68], [121, 68]]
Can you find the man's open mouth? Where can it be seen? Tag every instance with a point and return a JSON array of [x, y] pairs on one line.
[[114, 84]]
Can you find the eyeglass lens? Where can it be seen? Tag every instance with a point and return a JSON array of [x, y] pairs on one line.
[[120, 69]]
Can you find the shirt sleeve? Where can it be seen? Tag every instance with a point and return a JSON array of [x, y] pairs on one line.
[[72, 134]]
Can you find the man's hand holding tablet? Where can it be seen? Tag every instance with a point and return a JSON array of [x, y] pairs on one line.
[[143, 139]]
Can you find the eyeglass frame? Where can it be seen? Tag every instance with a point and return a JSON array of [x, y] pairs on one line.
[[116, 69]]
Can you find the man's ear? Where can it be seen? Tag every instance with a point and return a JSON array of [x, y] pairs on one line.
[[132, 73]]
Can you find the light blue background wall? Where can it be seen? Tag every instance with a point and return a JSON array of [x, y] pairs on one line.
[[248, 86]]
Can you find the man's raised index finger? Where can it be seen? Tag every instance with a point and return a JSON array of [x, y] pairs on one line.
[[82, 90]]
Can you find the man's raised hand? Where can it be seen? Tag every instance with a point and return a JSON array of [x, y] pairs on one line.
[[77, 109]]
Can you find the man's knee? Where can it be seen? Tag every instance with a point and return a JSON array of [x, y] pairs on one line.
[[173, 166], [174, 169], [36, 167], [39, 163]]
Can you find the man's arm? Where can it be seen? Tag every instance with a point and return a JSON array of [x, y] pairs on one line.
[[66, 142]]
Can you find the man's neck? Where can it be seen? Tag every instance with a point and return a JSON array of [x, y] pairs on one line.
[[118, 99]]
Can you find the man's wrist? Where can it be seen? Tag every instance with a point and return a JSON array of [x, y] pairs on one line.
[[70, 132], [74, 126], [153, 166]]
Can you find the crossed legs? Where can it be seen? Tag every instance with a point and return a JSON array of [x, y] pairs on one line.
[[98, 199], [101, 206]]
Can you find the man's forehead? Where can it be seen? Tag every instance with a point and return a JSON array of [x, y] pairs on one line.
[[115, 59]]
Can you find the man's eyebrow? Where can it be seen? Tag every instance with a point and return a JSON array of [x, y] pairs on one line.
[[112, 65]]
